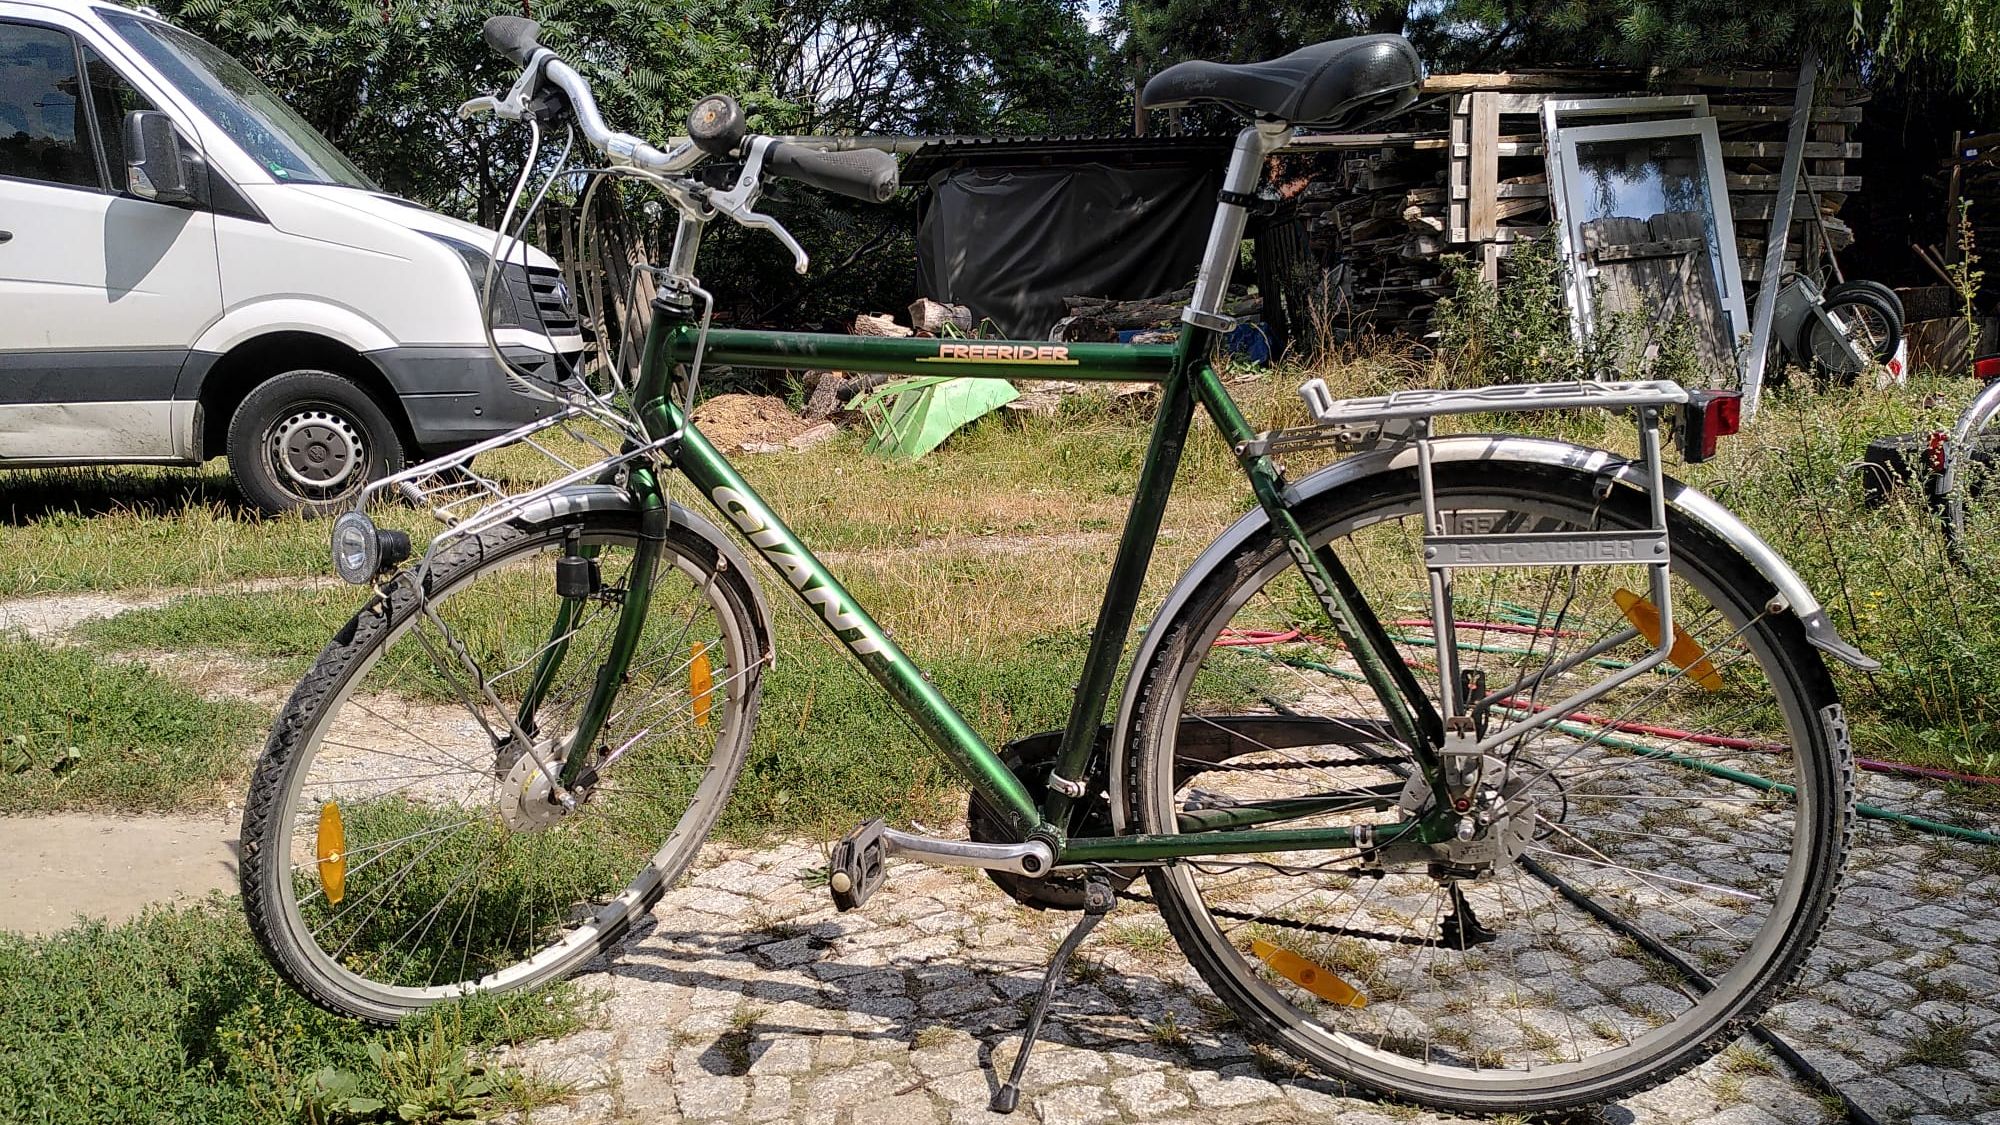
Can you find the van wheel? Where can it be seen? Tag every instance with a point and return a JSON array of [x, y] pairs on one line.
[[309, 440]]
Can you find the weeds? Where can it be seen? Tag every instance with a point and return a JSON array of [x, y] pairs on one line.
[[81, 732], [1942, 1043], [1967, 277], [177, 1018], [1515, 333]]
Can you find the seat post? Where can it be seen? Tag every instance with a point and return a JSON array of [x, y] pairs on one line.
[[1225, 235]]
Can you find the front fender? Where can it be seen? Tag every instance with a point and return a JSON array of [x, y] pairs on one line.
[[1688, 501]]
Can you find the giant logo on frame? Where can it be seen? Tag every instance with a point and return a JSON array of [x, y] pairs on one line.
[[854, 630]]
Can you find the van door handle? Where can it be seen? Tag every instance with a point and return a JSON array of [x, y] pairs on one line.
[[6, 236]]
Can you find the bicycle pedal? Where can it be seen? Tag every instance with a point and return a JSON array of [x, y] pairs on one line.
[[858, 866]]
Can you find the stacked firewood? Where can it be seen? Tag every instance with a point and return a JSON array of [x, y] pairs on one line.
[[1378, 215], [1099, 318]]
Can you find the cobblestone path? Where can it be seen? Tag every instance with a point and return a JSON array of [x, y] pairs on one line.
[[746, 998]]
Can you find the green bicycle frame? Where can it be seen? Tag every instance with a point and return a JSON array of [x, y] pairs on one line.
[[1186, 377]]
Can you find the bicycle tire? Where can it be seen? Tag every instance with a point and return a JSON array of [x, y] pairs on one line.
[[1875, 323], [608, 825], [1970, 459], [1474, 1077]]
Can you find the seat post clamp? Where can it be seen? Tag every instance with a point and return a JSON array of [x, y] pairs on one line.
[[1256, 203]]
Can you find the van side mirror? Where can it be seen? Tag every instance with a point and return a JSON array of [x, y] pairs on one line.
[[155, 166]]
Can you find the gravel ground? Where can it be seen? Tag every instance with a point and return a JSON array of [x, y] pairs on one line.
[[747, 998]]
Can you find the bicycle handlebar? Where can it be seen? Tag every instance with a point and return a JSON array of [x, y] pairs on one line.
[[716, 124], [864, 173]]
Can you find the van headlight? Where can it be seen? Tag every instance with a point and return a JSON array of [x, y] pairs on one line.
[[361, 550], [506, 310]]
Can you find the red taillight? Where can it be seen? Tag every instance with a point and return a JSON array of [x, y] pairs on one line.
[[1934, 447], [1708, 415], [1987, 367]]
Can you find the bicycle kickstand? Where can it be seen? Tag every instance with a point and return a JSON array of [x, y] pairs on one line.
[[1097, 902]]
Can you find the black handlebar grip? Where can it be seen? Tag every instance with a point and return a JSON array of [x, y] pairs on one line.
[[864, 173], [715, 124], [512, 37]]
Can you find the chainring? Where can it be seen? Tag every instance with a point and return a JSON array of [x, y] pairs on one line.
[[1031, 758]]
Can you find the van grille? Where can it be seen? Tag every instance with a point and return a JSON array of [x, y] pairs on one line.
[[551, 302]]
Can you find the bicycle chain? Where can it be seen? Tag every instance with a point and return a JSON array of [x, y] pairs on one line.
[[1312, 763], [1308, 927]]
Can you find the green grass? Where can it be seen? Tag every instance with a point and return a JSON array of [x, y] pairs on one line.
[[910, 538], [126, 528], [830, 751], [286, 628], [78, 731], [177, 1018]]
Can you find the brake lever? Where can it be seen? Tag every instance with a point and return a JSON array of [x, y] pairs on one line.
[[485, 103], [800, 262], [514, 106], [738, 201]]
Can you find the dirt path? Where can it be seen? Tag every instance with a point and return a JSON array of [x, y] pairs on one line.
[[110, 866], [47, 617]]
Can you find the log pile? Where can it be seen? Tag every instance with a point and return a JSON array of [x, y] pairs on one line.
[[1100, 319]]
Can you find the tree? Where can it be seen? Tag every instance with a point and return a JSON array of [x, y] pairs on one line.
[[1950, 42], [383, 80]]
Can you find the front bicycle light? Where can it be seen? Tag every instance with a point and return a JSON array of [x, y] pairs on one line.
[[361, 550]]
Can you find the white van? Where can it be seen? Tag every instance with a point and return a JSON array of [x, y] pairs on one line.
[[188, 269]]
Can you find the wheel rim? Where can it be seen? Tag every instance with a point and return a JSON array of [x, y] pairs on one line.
[[412, 949], [1863, 324], [1451, 996], [317, 453]]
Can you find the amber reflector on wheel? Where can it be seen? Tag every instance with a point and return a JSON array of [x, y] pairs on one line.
[[1685, 654], [1316, 979], [701, 681], [332, 853]]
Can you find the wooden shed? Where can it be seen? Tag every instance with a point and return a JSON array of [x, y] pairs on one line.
[[1465, 172]]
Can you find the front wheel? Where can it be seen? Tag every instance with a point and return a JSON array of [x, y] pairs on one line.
[[1693, 819], [309, 440], [401, 845]]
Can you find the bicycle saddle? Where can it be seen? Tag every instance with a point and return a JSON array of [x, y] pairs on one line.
[[1339, 82]]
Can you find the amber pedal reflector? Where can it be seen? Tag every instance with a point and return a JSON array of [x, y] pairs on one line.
[[1685, 653], [701, 681], [1316, 979], [332, 851]]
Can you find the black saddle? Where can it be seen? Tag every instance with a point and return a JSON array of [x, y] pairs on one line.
[[1332, 84]]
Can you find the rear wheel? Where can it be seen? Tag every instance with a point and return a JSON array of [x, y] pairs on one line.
[[1972, 470], [401, 845], [1536, 965]]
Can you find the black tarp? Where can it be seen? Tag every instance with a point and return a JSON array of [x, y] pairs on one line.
[[1010, 242]]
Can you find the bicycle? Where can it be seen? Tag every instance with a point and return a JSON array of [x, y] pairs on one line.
[[1351, 758]]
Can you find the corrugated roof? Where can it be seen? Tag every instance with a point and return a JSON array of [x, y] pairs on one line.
[[949, 152]]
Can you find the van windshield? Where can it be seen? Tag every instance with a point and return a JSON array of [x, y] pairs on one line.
[[232, 97]]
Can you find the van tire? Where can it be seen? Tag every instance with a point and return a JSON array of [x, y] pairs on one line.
[[309, 440]]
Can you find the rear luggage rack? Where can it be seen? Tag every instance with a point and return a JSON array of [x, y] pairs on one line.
[[1357, 424], [1449, 545]]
